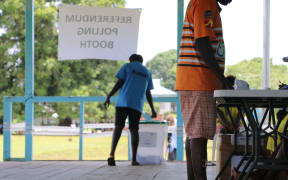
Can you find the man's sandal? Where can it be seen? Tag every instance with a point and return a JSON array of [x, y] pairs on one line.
[[135, 163], [111, 161]]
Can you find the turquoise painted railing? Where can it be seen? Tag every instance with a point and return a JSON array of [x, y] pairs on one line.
[[8, 103]]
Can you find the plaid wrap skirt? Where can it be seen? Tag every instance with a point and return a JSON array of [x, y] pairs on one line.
[[199, 113]]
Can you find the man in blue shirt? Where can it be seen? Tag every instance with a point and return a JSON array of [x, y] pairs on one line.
[[135, 81]]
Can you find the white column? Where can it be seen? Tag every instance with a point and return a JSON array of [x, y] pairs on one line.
[[266, 46]]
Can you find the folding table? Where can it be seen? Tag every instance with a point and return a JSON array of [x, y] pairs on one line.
[[257, 127]]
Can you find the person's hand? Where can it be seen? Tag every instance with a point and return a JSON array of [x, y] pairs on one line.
[[107, 103], [154, 114]]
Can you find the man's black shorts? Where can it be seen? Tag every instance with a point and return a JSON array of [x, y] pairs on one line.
[[123, 112]]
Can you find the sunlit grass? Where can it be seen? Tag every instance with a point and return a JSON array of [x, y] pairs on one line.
[[67, 148]]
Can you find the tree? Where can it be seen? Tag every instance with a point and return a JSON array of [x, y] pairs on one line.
[[163, 66], [52, 78], [251, 71]]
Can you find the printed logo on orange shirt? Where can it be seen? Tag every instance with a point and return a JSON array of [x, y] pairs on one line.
[[208, 19], [189, 7]]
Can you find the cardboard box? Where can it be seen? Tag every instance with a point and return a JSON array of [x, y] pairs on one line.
[[224, 149]]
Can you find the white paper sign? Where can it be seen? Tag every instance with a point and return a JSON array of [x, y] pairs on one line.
[[97, 32], [147, 139]]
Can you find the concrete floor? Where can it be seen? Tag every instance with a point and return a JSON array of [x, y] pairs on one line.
[[94, 170]]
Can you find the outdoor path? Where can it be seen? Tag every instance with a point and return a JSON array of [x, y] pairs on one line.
[[94, 170]]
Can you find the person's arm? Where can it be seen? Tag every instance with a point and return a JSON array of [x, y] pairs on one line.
[[116, 87], [206, 52], [150, 101]]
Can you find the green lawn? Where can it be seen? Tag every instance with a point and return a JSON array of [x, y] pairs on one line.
[[67, 148]]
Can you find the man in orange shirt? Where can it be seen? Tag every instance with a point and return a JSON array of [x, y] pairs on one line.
[[200, 71]]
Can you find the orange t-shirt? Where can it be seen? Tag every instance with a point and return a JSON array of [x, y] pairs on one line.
[[202, 20]]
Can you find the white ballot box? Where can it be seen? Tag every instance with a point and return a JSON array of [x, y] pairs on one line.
[[152, 142]]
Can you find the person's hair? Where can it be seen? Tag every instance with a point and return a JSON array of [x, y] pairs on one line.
[[224, 2], [133, 57], [140, 58], [231, 79], [136, 57]]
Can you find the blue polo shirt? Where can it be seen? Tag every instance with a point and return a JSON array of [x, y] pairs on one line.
[[137, 79]]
